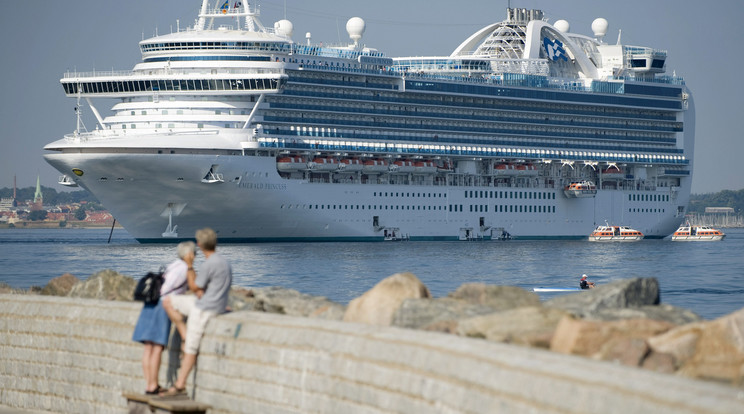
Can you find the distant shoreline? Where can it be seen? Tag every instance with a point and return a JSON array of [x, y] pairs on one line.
[[55, 225]]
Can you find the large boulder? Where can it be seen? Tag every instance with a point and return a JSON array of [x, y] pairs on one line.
[[711, 350], [293, 303], [497, 297], [377, 305], [60, 286], [623, 341], [106, 284], [530, 325], [441, 314], [627, 293], [662, 312]]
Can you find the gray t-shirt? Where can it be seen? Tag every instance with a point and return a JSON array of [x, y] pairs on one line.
[[215, 277]]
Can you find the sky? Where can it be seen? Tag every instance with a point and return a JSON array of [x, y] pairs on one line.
[[46, 38]]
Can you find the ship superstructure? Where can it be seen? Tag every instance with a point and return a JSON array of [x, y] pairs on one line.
[[232, 125]]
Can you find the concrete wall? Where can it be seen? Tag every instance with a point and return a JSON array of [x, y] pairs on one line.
[[76, 355]]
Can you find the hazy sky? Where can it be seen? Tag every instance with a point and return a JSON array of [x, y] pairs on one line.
[[43, 39]]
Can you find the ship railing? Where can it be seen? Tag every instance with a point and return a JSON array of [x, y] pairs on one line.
[[161, 72], [466, 150], [105, 134]]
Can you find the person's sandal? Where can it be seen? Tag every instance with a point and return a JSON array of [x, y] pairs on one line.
[[173, 392], [156, 391]]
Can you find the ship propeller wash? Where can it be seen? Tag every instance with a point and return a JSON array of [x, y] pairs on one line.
[[525, 129]]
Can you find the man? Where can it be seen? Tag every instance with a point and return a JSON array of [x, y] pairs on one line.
[[585, 284], [211, 287]]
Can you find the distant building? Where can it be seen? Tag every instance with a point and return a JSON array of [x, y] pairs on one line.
[[719, 210], [38, 203], [7, 204]]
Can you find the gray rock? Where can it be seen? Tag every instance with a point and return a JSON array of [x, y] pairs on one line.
[[106, 284], [529, 325], [436, 314], [378, 305], [627, 293], [292, 302], [663, 312], [497, 297], [60, 286]]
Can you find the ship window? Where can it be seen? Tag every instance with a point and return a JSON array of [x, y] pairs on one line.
[[171, 125], [134, 126], [200, 125], [131, 113], [144, 112]]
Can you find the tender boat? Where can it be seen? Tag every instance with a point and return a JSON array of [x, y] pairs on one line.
[[697, 233], [580, 189], [615, 234]]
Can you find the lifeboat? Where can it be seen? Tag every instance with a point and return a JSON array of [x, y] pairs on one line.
[[402, 166], [613, 173], [375, 166], [528, 170], [323, 164], [424, 167], [445, 168], [615, 234], [351, 164], [291, 164], [697, 233], [504, 169], [580, 189]]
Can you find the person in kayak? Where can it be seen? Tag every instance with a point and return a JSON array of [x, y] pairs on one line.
[[585, 284]]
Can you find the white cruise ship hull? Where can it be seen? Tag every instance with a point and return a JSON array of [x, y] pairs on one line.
[[254, 204]]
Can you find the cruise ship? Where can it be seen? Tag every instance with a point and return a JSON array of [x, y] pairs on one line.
[[525, 131]]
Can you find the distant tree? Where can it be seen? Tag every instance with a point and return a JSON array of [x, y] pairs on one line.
[[63, 223], [725, 198], [80, 214], [37, 215]]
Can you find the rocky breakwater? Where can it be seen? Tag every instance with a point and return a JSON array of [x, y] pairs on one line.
[[622, 322]]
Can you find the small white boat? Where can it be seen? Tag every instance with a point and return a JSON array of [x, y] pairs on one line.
[[615, 234], [697, 233]]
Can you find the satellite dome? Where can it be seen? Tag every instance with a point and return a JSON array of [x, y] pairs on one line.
[[599, 27], [284, 28], [355, 27], [562, 26]]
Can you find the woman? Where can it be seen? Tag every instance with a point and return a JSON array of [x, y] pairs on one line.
[[153, 325]]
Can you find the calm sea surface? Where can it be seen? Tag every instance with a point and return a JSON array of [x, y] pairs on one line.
[[705, 277]]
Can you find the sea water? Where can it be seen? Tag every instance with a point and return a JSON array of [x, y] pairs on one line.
[[705, 277]]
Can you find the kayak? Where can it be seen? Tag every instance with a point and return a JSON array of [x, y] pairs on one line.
[[555, 289]]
